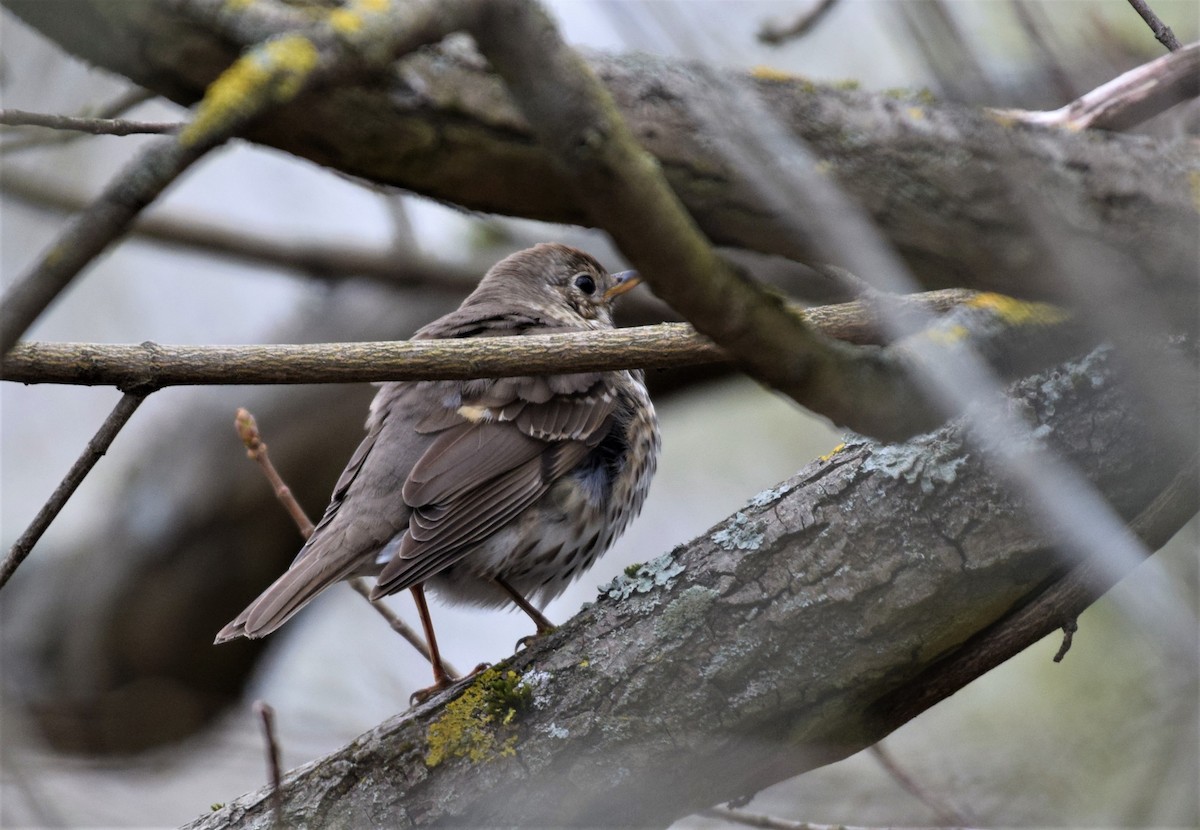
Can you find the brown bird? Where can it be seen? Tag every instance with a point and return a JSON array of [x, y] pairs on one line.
[[487, 490]]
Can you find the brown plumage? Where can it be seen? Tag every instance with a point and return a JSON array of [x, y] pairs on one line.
[[487, 490]]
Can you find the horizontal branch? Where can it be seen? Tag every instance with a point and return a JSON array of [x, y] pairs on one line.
[[151, 365], [82, 124]]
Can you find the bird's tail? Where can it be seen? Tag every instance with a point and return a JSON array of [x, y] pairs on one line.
[[296, 588]]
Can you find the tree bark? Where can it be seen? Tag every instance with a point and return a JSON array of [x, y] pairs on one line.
[[785, 638]]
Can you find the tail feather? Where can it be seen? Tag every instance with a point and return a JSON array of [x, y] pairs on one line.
[[287, 595]]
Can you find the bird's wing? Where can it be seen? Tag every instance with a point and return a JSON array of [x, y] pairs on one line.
[[505, 446]]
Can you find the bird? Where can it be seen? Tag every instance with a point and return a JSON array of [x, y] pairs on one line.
[[488, 491]]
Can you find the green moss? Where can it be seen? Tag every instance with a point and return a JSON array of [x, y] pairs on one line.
[[480, 724]]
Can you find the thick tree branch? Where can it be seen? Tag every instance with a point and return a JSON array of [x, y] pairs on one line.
[[933, 178], [788, 632]]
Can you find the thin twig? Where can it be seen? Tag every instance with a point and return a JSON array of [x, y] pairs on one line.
[[946, 814], [267, 715], [1162, 32], [92, 126], [95, 448], [256, 449], [776, 33], [124, 102]]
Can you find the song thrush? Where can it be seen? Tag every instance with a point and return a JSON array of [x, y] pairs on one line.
[[487, 490]]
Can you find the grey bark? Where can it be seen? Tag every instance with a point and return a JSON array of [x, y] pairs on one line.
[[788, 636]]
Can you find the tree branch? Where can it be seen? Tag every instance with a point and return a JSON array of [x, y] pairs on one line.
[[1162, 32], [1127, 100], [92, 126], [441, 124], [1016, 338], [92, 453]]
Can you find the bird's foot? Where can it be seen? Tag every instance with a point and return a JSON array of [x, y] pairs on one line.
[[444, 682], [527, 641]]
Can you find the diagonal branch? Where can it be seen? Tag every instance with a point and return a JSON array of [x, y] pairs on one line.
[[1127, 100], [92, 453]]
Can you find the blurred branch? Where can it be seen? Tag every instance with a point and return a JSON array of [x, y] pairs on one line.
[[773, 823], [626, 194], [947, 814], [92, 126], [776, 33], [443, 125], [119, 105], [400, 267], [95, 449], [274, 71], [1127, 100], [1016, 337], [1162, 32]]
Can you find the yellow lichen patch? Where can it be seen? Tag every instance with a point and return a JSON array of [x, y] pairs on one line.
[[1194, 181], [237, 5], [833, 452], [345, 21], [768, 73], [947, 335], [275, 72], [479, 724], [916, 113], [1019, 312]]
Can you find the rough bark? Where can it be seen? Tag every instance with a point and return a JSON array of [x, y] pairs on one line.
[[441, 124], [779, 641]]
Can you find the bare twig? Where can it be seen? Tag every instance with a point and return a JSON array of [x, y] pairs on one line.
[[256, 449], [1162, 32], [946, 813], [114, 108], [777, 33], [92, 126], [267, 715], [95, 448], [1127, 100]]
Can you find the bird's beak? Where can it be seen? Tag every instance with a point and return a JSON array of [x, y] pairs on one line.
[[625, 280]]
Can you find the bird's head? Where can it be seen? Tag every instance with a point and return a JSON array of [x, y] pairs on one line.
[[559, 282]]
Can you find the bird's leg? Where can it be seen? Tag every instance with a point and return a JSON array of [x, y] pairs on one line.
[[544, 626], [441, 678]]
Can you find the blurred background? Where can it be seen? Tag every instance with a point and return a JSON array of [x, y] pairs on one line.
[[117, 711]]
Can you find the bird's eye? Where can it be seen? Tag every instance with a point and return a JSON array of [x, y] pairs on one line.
[[585, 283]]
